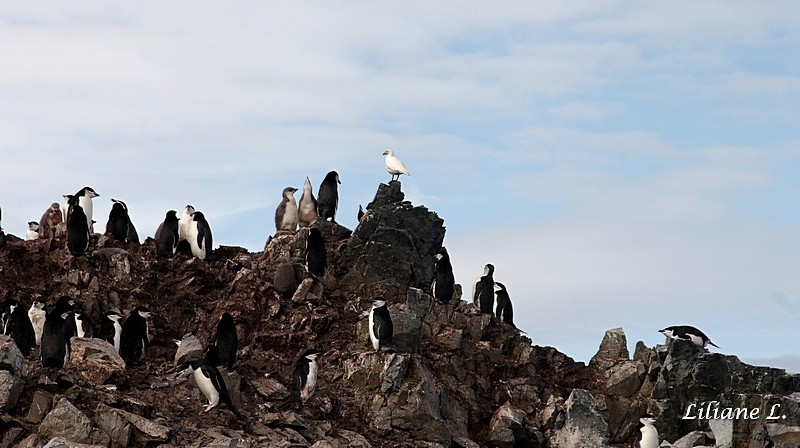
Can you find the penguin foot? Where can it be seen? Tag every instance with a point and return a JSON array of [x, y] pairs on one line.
[[208, 407]]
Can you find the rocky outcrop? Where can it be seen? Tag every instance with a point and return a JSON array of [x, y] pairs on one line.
[[451, 378]]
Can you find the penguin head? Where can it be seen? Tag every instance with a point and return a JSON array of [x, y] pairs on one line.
[[55, 206], [311, 355], [488, 269], [647, 419], [88, 192], [119, 205], [33, 226], [499, 287], [331, 177], [188, 368], [226, 318], [288, 193], [198, 216], [442, 254], [65, 303], [113, 316], [37, 304], [668, 332], [143, 311], [10, 305], [378, 303], [171, 215], [188, 210], [388, 152]]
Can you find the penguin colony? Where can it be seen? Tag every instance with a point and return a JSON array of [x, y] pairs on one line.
[[51, 331]]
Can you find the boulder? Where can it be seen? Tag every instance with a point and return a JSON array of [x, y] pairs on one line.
[[510, 428], [66, 421], [11, 358], [584, 426], [613, 348], [189, 349], [40, 406], [10, 390], [95, 360]]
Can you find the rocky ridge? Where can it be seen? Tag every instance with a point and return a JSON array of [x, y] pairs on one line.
[[459, 379]]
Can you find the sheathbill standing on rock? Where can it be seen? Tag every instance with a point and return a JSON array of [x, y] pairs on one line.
[[394, 166]]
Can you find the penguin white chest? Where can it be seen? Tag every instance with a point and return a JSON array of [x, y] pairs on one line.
[[207, 387], [183, 226], [117, 335], [86, 203], [79, 326], [372, 333], [311, 381], [290, 216], [31, 235], [649, 437], [194, 242]]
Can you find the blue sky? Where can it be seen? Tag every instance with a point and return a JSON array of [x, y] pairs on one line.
[[621, 164]]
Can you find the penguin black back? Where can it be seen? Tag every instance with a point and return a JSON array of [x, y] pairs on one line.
[[443, 285], [328, 196], [77, 230], [316, 255], [304, 378], [59, 326], [134, 338], [484, 290], [227, 341], [17, 325], [110, 329], [380, 325], [203, 240], [167, 235], [503, 309], [118, 221]]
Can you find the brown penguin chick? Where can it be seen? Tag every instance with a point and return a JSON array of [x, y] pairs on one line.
[[286, 215], [50, 220]]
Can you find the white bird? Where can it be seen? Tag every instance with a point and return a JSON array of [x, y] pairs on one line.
[[649, 432], [394, 166]]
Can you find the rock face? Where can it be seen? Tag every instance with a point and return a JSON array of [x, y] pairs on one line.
[[452, 378]]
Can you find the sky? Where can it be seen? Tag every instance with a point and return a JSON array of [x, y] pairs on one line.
[[621, 164]]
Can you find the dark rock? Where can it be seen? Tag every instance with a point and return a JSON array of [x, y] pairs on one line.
[[10, 390], [190, 349], [40, 406], [510, 428], [584, 426], [95, 360], [613, 348], [66, 421], [61, 442], [11, 358]]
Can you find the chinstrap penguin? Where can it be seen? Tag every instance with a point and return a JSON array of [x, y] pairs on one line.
[[307, 208], [304, 377], [119, 223], [135, 335], [443, 284], [33, 231], [380, 325], [688, 333], [328, 196], [37, 316], [199, 237], [167, 235], [17, 325], [394, 166], [50, 220], [483, 290], [185, 222], [286, 215], [502, 304], [209, 381], [316, 255], [58, 328], [84, 198], [227, 341], [77, 231], [649, 432], [83, 325], [110, 329]]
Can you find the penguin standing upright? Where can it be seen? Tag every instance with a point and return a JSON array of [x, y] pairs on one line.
[[503, 309], [328, 196], [77, 231], [227, 342], [33, 231], [185, 222], [37, 316], [380, 325], [110, 329], [135, 335], [17, 325], [443, 284], [58, 328], [688, 333], [167, 235], [119, 223], [65, 208], [649, 432], [304, 377], [50, 221], [286, 215], [483, 292], [316, 256], [209, 381], [84, 198], [83, 325], [199, 237], [307, 209]]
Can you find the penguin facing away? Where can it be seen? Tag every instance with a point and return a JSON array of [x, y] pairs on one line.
[[305, 376], [443, 284], [227, 341], [328, 196], [17, 325], [689, 333], [200, 237], [37, 316], [380, 325], [649, 432], [32, 233], [77, 231], [59, 326], [286, 215], [110, 329], [50, 221], [394, 166], [167, 235], [483, 296], [307, 208], [209, 381], [83, 325], [316, 255], [503, 310], [134, 336], [120, 225]]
